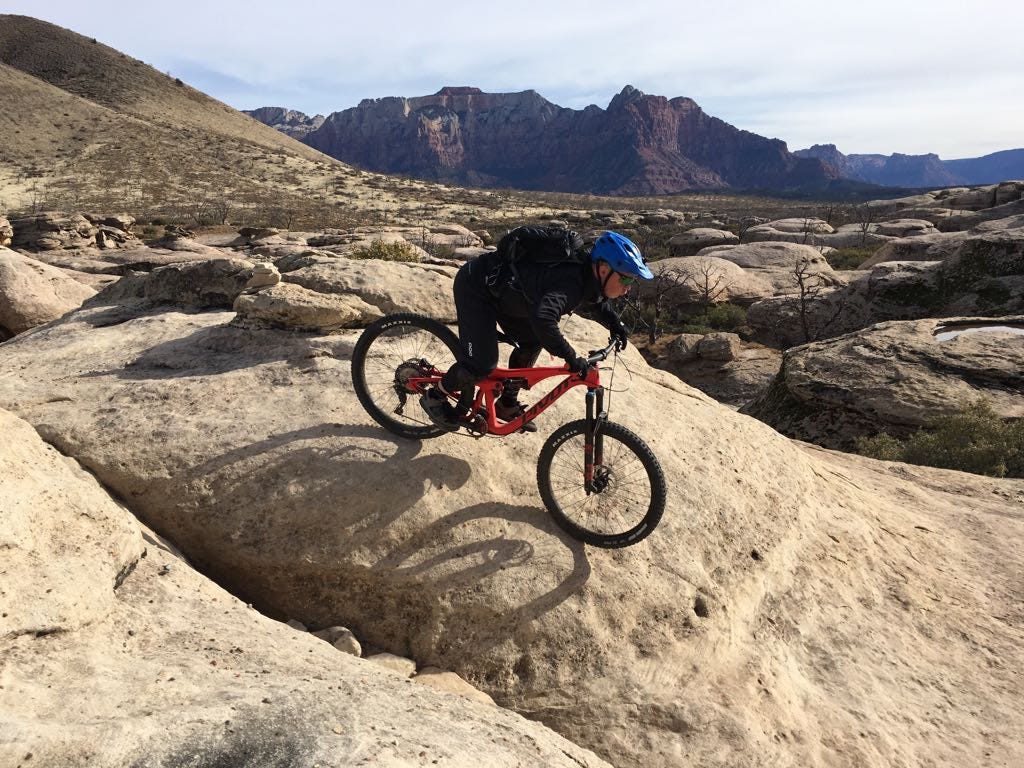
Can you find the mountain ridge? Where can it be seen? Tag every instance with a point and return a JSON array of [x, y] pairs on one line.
[[641, 144], [927, 170], [634, 136]]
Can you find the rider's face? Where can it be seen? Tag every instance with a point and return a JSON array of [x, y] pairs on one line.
[[614, 287]]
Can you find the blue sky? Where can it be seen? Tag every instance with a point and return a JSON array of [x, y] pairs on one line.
[[870, 76]]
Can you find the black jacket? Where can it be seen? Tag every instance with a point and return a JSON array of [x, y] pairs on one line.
[[543, 294]]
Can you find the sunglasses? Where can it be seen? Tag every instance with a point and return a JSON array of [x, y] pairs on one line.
[[626, 279]]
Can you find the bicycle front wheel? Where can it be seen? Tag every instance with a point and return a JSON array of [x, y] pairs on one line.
[[627, 495], [391, 352]]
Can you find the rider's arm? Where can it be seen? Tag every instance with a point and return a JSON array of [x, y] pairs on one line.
[[607, 316], [544, 318]]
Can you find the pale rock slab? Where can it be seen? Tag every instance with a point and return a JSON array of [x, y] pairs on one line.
[[112, 658], [33, 293], [397, 664], [287, 305], [895, 377], [389, 286], [688, 243], [449, 682]]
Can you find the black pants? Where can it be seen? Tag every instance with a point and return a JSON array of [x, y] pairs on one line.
[[479, 317]]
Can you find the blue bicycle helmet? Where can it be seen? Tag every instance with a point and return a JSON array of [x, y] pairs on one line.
[[621, 254]]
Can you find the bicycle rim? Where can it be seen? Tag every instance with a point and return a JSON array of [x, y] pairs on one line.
[[632, 490], [389, 353]]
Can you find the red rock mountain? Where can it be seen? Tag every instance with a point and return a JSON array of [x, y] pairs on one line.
[[639, 145]]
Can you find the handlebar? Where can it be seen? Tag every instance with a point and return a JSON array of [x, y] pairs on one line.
[[596, 356]]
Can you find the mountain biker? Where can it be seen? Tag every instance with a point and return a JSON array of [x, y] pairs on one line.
[[527, 301]]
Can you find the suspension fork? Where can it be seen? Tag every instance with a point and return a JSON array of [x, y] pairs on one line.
[[593, 439]]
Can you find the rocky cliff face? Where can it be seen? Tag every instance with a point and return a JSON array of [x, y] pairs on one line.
[[640, 144], [291, 122], [920, 170]]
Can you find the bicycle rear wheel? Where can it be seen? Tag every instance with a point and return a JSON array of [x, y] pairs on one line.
[[628, 498], [389, 353]]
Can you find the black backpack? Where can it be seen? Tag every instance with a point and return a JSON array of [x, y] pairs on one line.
[[542, 245]]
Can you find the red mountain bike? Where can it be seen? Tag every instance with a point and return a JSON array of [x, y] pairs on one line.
[[600, 481]]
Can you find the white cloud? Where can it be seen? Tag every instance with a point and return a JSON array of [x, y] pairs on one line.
[[871, 76]]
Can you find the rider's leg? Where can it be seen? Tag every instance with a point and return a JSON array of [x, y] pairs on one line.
[[524, 355], [478, 337]]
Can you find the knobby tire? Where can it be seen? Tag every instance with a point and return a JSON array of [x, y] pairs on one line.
[[630, 505], [389, 348]]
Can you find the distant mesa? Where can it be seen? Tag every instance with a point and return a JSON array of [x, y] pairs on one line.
[[897, 170], [639, 145]]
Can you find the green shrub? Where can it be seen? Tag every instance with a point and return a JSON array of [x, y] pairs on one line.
[[726, 317], [394, 250], [974, 439], [850, 258]]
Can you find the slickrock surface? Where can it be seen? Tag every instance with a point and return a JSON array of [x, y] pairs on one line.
[[115, 652], [794, 607]]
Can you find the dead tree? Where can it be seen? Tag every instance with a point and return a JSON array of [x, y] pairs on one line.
[[865, 216], [812, 297], [708, 281]]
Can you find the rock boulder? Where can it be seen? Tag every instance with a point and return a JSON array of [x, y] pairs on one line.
[[895, 377], [33, 293]]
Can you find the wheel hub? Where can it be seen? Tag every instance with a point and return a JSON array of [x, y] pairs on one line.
[[602, 479], [410, 369]]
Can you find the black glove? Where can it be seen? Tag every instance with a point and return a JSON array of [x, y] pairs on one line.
[[578, 365], [620, 335]]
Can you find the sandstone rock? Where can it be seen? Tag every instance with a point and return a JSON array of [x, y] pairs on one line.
[[6, 232], [200, 284], [205, 284], [720, 346], [995, 225], [264, 275], [33, 293], [983, 276], [905, 228], [449, 682], [112, 658], [798, 225], [118, 262], [439, 551], [467, 253], [389, 286], [694, 279], [733, 382], [971, 199], [60, 570], [683, 348], [180, 243], [971, 219], [342, 639], [1008, 192], [689, 242], [397, 664], [291, 306], [934, 247], [331, 238], [815, 232], [894, 377], [779, 264], [51, 230], [255, 235]]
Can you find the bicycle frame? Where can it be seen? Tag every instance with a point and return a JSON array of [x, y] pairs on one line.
[[490, 389]]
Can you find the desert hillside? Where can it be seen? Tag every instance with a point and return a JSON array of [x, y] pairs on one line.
[[89, 127]]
